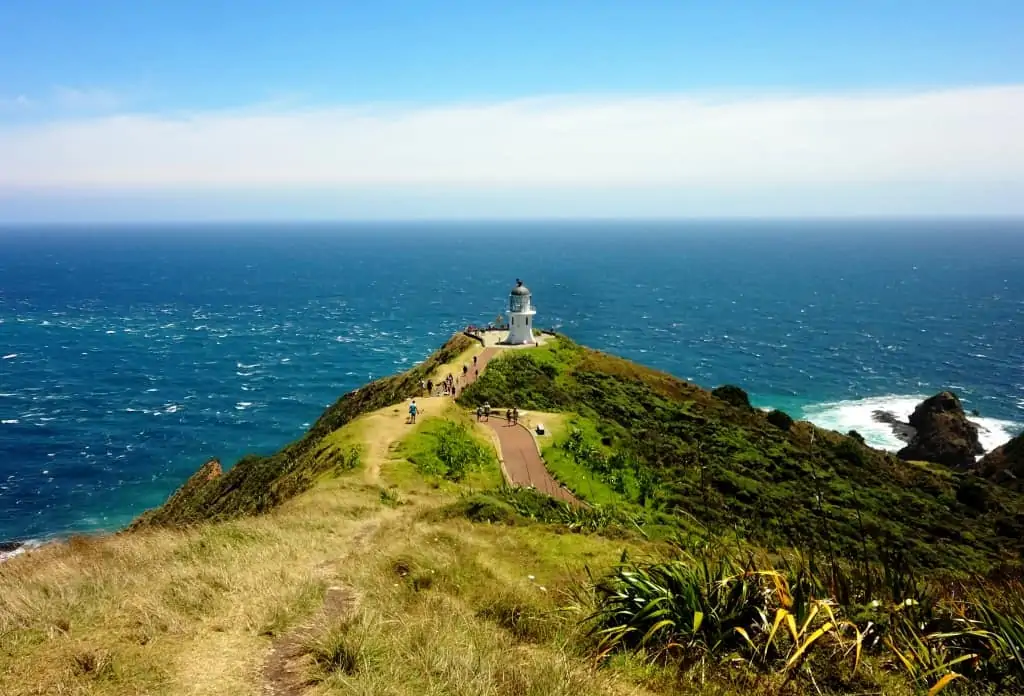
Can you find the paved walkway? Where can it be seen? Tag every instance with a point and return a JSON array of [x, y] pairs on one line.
[[518, 448], [481, 362], [523, 462]]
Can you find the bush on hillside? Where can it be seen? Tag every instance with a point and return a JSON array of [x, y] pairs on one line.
[[780, 419], [731, 394]]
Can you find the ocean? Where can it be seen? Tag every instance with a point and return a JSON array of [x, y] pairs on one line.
[[129, 355]]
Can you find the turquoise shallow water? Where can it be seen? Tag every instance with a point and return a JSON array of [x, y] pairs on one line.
[[130, 355]]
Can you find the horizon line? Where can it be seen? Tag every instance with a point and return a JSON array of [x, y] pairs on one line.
[[867, 217]]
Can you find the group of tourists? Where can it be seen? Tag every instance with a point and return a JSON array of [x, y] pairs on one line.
[[451, 384], [484, 413]]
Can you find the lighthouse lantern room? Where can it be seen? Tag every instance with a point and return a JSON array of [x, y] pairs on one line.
[[520, 316]]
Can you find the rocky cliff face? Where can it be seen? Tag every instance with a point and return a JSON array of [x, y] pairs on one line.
[[942, 433], [1005, 464]]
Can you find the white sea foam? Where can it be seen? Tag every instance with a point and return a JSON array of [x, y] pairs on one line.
[[27, 545], [5, 555], [9, 421], [9, 356], [242, 405], [857, 415]]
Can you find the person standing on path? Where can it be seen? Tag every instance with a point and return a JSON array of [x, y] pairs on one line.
[[430, 387], [412, 412]]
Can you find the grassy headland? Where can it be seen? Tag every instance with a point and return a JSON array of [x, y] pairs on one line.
[[722, 553]]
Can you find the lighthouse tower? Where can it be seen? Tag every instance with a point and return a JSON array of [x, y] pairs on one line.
[[520, 316]]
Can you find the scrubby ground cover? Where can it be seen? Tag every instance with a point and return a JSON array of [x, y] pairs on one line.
[[644, 438]]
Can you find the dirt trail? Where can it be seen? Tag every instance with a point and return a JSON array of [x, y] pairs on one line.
[[284, 670], [286, 665], [388, 425]]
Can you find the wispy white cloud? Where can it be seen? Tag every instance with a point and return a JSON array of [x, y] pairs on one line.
[[942, 138]]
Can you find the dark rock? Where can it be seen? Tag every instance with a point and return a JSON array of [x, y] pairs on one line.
[[901, 429], [971, 492], [780, 419], [1004, 464], [856, 436], [732, 394], [9, 546], [943, 433]]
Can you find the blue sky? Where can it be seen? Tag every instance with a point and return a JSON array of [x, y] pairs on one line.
[[161, 110]]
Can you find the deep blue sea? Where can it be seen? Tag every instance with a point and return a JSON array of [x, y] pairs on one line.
[[130, 355]]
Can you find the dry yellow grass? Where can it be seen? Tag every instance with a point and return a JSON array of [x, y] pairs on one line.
[[445, 607]]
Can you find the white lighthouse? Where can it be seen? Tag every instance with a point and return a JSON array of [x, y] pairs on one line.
[[520, 315]]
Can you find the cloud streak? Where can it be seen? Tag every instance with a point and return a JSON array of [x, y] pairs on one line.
[[946, 137]]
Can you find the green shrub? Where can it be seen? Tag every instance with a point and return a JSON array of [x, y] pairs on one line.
[[731, 394], [780, 419], [447, 449]]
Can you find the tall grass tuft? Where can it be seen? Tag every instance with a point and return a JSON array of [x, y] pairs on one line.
[[794, 616]]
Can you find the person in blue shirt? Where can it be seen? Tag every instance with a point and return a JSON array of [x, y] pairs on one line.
[[412, 411]]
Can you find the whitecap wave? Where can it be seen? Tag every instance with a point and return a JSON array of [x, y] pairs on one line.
[[9, 421], [9, 356], [857, 414], [26, 546]]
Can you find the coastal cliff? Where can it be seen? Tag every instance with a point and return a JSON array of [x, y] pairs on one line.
[[256, 484], [679, 456], [1005, 464]]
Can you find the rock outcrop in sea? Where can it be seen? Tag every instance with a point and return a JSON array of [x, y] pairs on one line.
[[942, 433]]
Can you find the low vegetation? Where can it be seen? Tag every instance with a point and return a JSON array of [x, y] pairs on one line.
[[447, 448], [842, 631], [710, 462]]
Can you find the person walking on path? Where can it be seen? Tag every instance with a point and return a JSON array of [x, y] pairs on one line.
[[474, 361], [465, 369], [515, 416], [508, 416], [479, 412], [430, 387], [412, 412], [487, 412]]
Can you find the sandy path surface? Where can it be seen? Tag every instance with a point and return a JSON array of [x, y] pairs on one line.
[[389, 425]]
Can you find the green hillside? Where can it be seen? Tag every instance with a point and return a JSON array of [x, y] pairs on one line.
[[257, 483], [713, 464]]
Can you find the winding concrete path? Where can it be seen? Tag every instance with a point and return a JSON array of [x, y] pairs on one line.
[[481, 362], [522, 460]]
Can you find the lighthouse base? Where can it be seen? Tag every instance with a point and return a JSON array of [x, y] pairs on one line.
[[520, 329]]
